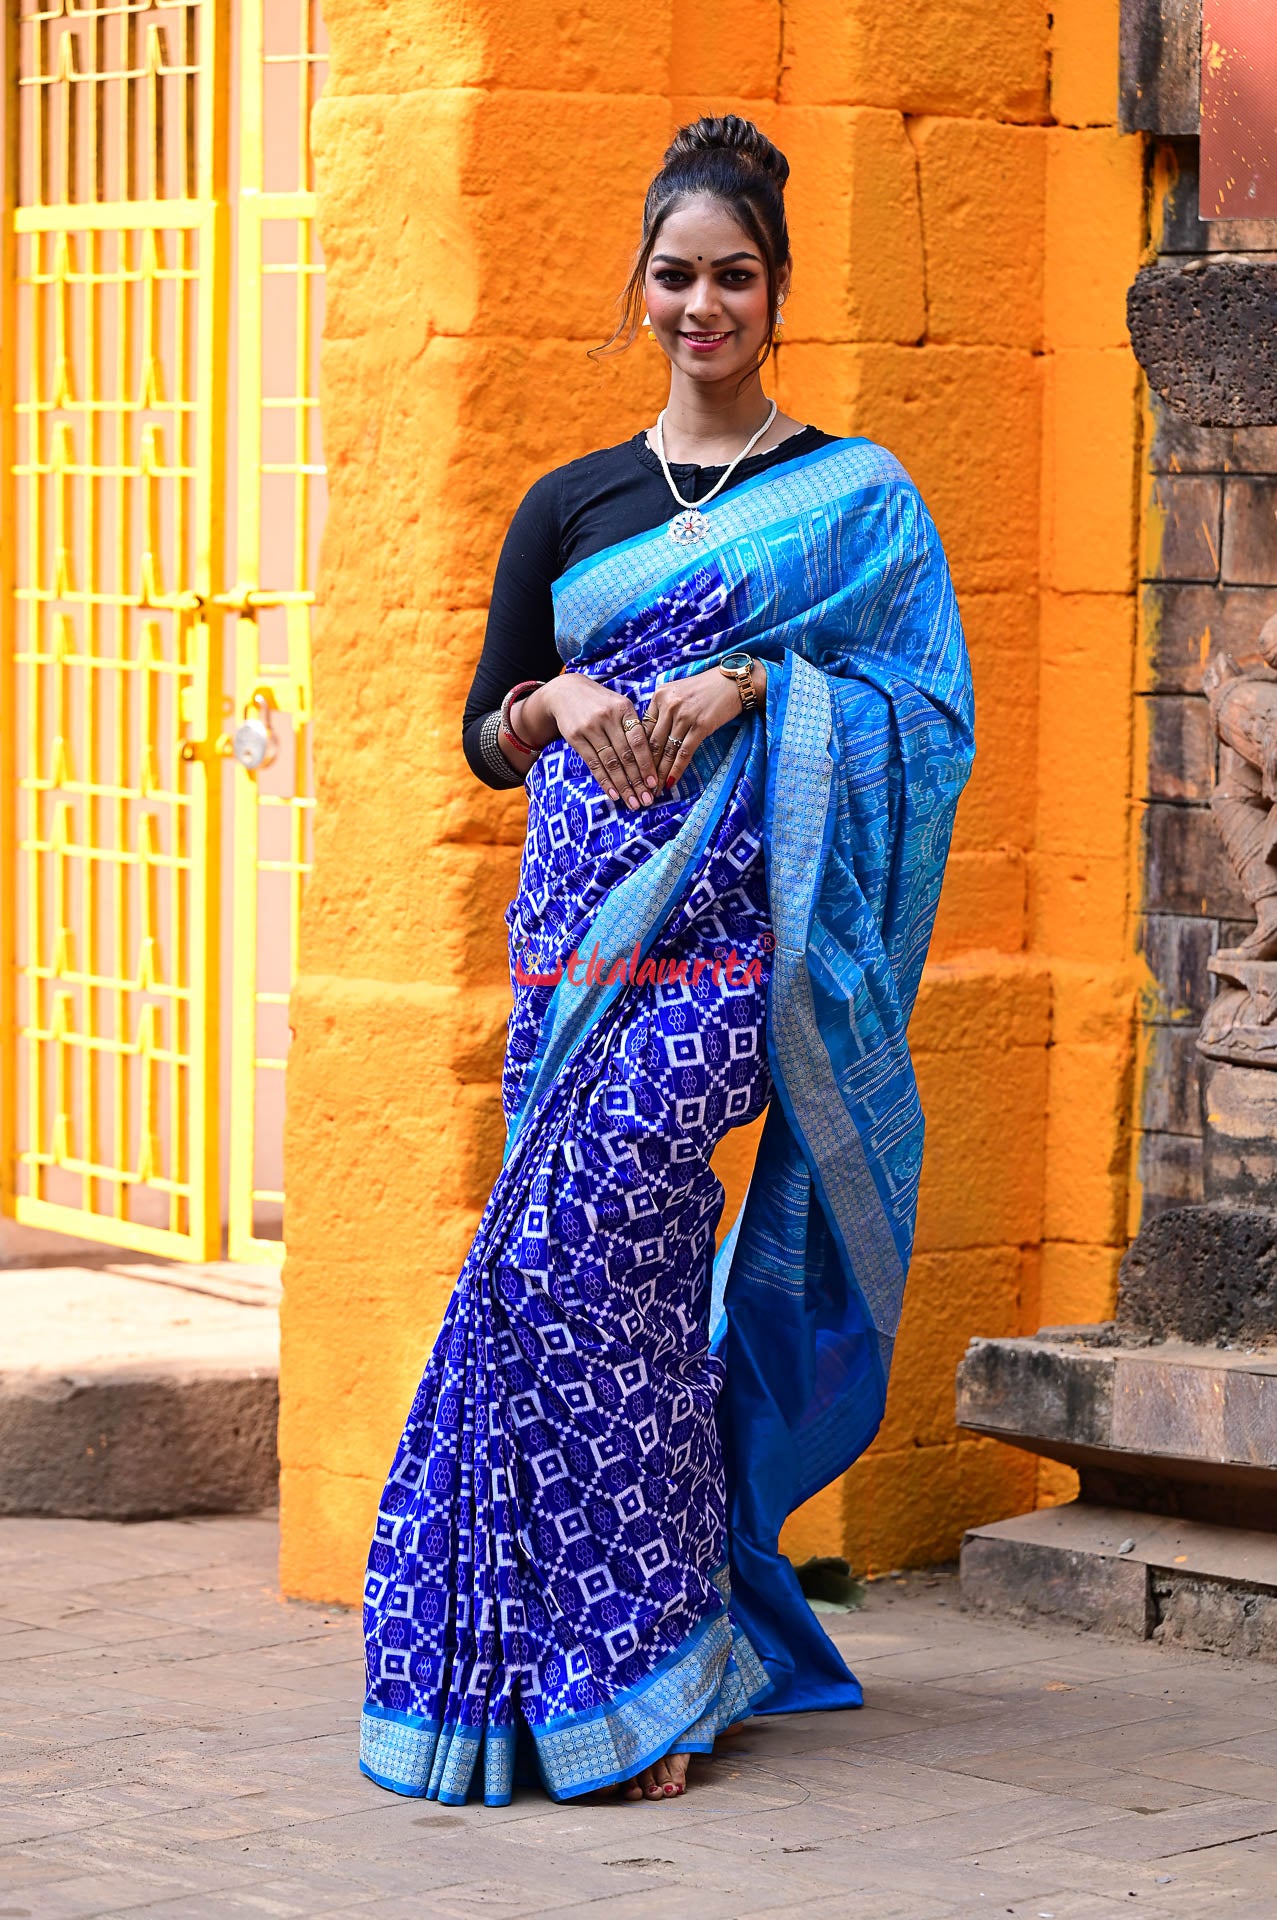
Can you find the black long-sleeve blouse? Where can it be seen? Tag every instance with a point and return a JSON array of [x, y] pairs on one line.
[[569, 514]]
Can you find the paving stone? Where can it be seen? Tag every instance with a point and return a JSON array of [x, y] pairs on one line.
[[220, 1780]]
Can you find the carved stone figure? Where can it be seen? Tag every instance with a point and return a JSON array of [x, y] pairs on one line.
[[1241, 1023]]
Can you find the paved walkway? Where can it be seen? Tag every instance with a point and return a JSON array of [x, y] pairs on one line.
[[180, 1742]]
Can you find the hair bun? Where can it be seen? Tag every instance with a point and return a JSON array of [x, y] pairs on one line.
[[729, 133]]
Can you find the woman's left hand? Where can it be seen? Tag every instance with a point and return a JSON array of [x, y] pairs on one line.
[[684, 712]]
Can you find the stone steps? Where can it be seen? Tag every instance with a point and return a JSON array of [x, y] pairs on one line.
[[138, 1391]]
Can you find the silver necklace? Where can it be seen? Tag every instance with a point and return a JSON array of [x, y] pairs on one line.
[[691, 525]]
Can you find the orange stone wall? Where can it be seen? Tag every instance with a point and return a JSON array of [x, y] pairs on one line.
[[965, 221]]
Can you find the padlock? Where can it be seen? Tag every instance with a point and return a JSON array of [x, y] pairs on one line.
[[255, 745]]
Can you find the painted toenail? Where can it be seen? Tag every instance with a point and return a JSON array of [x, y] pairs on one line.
[[669, 1789]]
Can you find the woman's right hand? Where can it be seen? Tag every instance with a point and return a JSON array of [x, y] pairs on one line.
[[592, 719]]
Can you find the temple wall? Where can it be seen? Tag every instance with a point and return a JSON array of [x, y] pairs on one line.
[[1209, 582], [965, 222]]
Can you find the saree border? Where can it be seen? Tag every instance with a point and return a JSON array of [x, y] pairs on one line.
[[734, 520], [707, 1683]]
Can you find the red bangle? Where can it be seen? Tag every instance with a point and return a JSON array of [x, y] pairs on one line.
[[517, 693]]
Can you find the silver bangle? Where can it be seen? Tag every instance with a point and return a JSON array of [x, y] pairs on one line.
[[490, 752]]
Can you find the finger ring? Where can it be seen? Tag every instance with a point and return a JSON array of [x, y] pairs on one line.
[[630, 721], [674, 741]]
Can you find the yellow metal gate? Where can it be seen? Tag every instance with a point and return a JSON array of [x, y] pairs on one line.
[[162, 491]]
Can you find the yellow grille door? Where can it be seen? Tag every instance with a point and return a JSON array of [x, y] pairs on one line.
[[116, 289], [280, 497], [162, 493]]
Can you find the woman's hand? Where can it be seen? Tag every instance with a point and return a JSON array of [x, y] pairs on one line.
[[602, 726], [633, 762], [684, 712]]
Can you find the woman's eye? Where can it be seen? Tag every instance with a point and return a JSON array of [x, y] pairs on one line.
[[671, 277]]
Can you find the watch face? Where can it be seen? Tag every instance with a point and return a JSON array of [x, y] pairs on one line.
[[738, 663]]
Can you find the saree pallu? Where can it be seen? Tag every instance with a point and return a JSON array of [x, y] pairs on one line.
[[576, 1550]]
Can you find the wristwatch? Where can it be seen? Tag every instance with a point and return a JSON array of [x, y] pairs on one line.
[[739, 667]]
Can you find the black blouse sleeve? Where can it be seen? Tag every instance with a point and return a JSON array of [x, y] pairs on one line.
[[519, 641]]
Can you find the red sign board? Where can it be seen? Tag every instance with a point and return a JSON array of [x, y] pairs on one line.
[[1239, 110]]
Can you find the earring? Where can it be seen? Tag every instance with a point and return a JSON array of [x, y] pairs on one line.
[[780, 321], [648, 328]]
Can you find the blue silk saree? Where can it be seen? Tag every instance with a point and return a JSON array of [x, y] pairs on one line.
[[576, 1552]]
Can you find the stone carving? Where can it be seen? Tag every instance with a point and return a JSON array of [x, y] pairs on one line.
[[1241, 1022]]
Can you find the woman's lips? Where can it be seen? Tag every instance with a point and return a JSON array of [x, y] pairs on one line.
[[706, 342]]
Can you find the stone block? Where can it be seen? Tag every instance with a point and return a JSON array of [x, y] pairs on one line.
[[1186, 870], [1176, 948], [1239, 1126], [1180, 535], [1160, 65], [1084, 62], [124, 1398], [1170, 1095], [1023, 1579], [1085, 716], [1184, 625], [1202, 1273], [983, 903], [915, 1513], [1091, 1005], [983, 190], [1087, 1142], [720, 51], [853, 198], [1209, 1616], [1037, 1389], [939, 409], [1090, 428], [1250, 1417], [1077, 1284], [1250, 532], [981, 1179], [947, 1294], [1094, 234], [1176, 445], [966, 59], [388, 1061], [1193, 329], [985, 1003], [1255, 448], [1079, 907], [1182, 1582], [326, 1522], [1167, 1410], [1168, 1173], [998, 803], [1178, 758], [422, 45]]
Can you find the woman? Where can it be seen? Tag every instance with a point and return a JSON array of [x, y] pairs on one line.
[[740, 793]]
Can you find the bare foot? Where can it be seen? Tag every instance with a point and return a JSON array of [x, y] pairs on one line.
[[663, 1781]]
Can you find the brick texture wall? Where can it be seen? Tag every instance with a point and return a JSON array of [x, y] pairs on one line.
[[1209, 582]]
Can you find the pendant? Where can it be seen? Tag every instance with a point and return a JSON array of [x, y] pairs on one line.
[[688, 527]]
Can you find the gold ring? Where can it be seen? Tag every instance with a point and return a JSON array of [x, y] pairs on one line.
[[630, 721]]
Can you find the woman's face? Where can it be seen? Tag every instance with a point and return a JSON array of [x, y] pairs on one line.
[[706, 291]]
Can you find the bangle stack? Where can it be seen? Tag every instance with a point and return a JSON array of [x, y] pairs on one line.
[[520, 692]]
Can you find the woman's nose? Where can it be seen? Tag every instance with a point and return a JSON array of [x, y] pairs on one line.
[[704, 303]]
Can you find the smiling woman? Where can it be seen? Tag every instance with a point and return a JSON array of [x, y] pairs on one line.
[[725, 660]]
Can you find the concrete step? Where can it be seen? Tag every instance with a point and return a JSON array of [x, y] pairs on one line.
[[1134, 1575], [140, 1391]]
